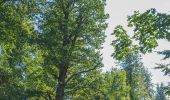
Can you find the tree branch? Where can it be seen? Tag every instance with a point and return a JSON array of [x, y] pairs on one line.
[[78, 86], [55, 76], [85, 71]]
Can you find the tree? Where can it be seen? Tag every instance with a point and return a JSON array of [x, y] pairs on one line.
[[115, 86], [157, 29], [160, 93], [138, 78], [128, 57], [16, 30], [20, 59], [96, 85], [87, 86], [48, 43], [71, 34], [148, 27]]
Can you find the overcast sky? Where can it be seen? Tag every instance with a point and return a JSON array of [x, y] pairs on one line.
[[118, 11]]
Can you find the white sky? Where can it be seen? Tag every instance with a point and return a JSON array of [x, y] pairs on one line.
[[118, 11]]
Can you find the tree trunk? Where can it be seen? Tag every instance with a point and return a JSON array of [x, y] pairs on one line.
[[61, 83], [60, 92], [131, 84]]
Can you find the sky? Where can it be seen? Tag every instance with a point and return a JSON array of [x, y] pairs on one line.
[[118, 11]]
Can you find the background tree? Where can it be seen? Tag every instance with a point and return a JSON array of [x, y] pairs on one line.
[[16, 34], [158, 28], [160, 93], [148, 27], [116, 85], [96, 85], [138, 78], [87, 86], [128, 57], [21, 74]]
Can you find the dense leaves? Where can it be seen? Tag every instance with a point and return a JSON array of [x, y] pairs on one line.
[[44, 44], [71, 35], [50, 49], [95, 85]]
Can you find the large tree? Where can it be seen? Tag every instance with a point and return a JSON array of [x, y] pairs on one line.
[[43, 49], [71, 34]]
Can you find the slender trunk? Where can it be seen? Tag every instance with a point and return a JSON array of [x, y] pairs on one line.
[[131, 84], [60, 92], [61, 84]]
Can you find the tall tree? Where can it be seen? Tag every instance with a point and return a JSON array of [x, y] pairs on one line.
[[21, 74], [49, 46], [160, 93], [16, 32], [158, 28], [148, 27], [128, 57], [71, 34], [138, 78]]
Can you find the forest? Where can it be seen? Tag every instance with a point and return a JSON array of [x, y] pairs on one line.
[[51, 50]]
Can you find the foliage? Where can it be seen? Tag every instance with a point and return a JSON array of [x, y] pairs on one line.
[[17, 32], [96, 85], [138, 78], [44, 44], [116, 85], [160, 93], [123, 44], [71, 35], [148, 28], [50, 49]]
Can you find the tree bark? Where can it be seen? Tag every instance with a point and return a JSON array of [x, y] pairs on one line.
[[61, 83]]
